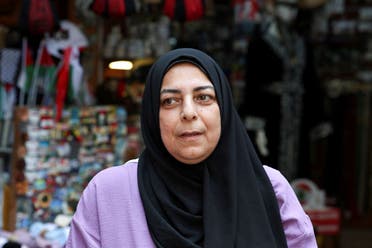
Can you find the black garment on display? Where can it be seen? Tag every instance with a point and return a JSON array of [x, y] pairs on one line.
[[283, 89], [225, 201], [12, 244]]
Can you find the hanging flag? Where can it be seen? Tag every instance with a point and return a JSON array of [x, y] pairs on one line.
[[40, 75], [62, 83], [26, 60], [56, 46]]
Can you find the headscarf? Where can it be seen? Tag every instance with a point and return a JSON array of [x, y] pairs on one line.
[[225, 201]]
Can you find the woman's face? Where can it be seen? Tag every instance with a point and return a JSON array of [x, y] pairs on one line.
[[190, 121]]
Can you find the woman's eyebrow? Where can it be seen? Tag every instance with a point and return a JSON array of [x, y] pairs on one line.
[[174, 91], [177, 91], [203, 88]]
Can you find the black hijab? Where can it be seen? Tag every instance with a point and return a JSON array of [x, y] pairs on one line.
[[225, 201]]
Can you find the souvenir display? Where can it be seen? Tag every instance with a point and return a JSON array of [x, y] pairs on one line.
[[57, 159]]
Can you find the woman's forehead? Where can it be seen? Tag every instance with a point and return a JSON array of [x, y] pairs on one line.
[[185, 74], [184, 65]]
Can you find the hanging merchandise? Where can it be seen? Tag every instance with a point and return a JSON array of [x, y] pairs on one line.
[[43, 76], [246, 10], [291, 90], [184, 10], [9, 58], [34, 78], [114, 8], [9, 61], [76, 77], [84, 13], [26, 62], [67, 86], [246, 16], [69, 35], [62, 82], [38, 17], [99, 7], [66, 45]]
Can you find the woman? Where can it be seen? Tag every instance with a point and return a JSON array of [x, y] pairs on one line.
[[198, 183]]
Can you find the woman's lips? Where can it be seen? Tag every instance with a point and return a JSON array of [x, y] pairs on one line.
[[190, 136]]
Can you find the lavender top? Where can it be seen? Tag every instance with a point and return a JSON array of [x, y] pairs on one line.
[[110, 212]]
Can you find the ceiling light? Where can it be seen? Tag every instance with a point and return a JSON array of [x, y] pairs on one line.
[[121, 65]]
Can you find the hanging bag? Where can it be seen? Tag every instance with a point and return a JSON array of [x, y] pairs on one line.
[[184, 10], [194, 9], [38, 17], [116, 8], [113, 8], [99, 7]]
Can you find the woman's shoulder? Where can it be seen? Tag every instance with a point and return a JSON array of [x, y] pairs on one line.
[[117, 174], [297, 224], [275, 176], [282, 187]]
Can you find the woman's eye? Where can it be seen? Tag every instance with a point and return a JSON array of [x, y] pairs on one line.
[[168, 101], [205, 98]]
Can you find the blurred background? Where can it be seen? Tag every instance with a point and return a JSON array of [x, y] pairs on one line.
[[72, 75]]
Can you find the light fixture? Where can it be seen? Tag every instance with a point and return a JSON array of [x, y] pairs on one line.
[[121, 65]]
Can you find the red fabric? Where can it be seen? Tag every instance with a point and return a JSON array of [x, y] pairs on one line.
[[98, 6], [41, 19], [8, 86], [116, 8], [169, 7], [29, 59], [46, 59], [62, 83], [194, 9], [254, 9]]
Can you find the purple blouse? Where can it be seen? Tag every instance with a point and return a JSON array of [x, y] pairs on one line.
[[110, 212]]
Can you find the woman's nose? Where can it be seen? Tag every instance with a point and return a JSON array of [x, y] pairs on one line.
[[188, 111]]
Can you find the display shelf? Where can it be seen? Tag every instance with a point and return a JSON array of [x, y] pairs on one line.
[[53, 161]]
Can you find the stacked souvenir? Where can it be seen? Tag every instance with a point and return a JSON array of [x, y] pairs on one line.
[[59, 159]]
